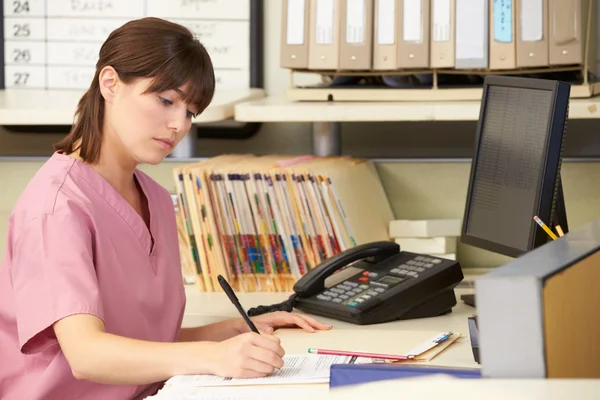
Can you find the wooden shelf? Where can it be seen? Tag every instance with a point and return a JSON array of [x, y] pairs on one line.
[[279, 109], [57, 107]]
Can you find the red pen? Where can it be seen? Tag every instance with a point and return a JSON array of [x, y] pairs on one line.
[[357, 354]]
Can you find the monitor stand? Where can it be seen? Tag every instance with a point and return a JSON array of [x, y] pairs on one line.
[[560, 218], [468, 299], [560, 215]]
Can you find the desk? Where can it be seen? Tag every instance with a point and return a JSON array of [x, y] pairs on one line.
[[435, 388], [203, 308]]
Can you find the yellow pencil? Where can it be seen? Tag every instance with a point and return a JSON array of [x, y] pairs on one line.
[[544, 227], [560, 231]]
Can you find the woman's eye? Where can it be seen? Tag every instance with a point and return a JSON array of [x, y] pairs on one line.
[[190, 114], [165, 101]]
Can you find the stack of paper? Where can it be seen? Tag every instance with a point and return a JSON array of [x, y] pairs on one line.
[[297, 369], [263, 222], [435, 237]]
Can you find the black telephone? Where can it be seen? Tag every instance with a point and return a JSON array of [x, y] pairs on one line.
[[391, 285]]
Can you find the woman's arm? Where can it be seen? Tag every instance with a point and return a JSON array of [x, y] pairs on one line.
[[265, 323], [98, 356], [215, 332]]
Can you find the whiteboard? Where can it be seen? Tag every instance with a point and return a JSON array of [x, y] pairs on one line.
[[54, 44]]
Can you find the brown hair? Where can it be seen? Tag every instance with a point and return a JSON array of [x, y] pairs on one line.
[[143, 48]]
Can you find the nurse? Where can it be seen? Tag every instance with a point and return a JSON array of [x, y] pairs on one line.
[[91, 293]]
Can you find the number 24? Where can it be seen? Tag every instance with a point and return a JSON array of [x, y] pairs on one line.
[[20, 6]]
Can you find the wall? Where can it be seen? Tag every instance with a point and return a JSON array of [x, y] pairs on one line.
[[423, 189]]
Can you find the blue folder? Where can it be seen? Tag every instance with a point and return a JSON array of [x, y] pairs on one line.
[[351, 374]]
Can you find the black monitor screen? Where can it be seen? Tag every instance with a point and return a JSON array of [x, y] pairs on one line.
[[507, 178]]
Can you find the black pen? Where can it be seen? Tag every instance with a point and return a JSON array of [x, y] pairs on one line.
[[229, 292]]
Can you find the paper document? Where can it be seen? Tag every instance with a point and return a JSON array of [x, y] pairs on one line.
[[240, 393], [297, 369], [391, 342]]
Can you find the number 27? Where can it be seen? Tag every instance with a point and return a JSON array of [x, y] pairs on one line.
[[21, 78]]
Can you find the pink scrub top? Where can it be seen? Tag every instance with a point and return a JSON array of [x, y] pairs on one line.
[[76, 246]]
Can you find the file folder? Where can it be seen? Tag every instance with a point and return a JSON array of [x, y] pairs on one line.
[[352, 374], [503, 52], [567, 31], [263, 222], [385, 40], [356, 44], [472, 38], [295, 27], [532, 33], [443, 16], [413, 27], [324, 45]]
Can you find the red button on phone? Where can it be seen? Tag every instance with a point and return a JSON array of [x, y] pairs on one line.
[[366, 273], [363, 279]]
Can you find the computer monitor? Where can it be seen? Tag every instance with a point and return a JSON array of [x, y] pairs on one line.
[[515, 172]]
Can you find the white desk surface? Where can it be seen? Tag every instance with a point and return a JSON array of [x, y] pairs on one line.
[[441, 388], [204, 308], [278, 109], [57, 107]]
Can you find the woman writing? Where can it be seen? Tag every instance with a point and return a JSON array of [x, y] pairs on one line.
[[91, 293]]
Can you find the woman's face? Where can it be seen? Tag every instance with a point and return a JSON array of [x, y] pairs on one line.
[[149, 125]]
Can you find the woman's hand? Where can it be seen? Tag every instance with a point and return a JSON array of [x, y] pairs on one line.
[[280, 319], [248, 355]]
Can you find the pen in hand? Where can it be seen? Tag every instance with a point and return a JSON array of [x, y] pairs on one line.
[[229, 292]]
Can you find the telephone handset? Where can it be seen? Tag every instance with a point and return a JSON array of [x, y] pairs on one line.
[[314, 281], [390, 284]]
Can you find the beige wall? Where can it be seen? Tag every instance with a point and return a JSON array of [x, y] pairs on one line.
[[415, 189]]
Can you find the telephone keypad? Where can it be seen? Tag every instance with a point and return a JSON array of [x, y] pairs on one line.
[[366, 285]]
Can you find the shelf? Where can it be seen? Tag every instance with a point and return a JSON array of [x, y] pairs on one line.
[[317, 93], [278, 109], [57, 107]]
